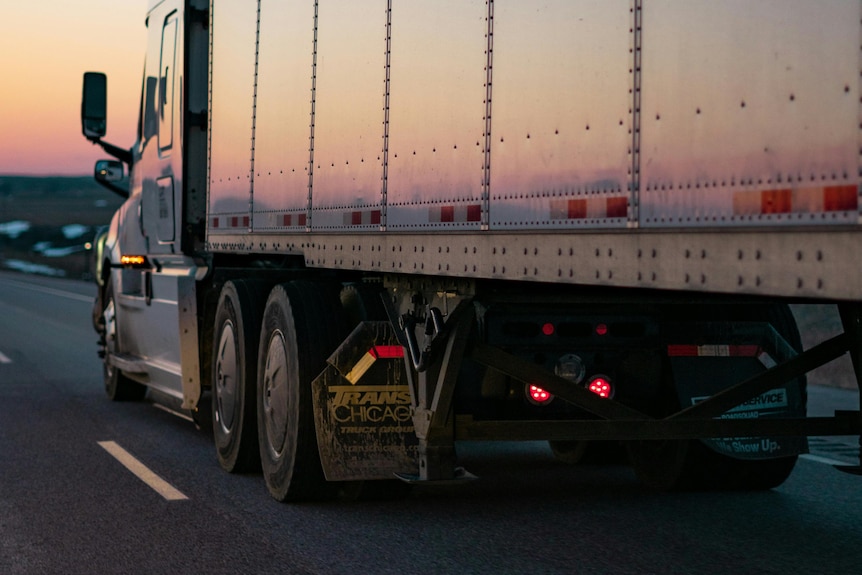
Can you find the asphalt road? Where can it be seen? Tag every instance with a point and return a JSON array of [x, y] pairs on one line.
[[67, 505]]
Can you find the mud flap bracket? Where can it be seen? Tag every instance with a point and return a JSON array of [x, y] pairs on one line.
[[431, 391]]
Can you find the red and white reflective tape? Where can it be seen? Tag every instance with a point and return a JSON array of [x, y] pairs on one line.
[[289, 220], [589, 208], [455, 214], [372, 355], [722, 351], [229, 222], [387, 351], [362, 218], [713, 350], [818, 199]]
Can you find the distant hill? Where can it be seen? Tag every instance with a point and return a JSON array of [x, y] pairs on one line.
[[46, 222], [48, 184], [56, 200]]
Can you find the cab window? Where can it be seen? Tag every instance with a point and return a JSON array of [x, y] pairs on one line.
[[167, 72]]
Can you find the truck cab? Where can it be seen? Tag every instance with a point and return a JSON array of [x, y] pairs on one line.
[[152, 249]]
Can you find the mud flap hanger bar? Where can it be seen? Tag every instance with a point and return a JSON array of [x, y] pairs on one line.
[[434, 327], [432, 387]]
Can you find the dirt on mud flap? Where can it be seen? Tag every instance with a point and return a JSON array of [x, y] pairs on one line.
[[362, 408]]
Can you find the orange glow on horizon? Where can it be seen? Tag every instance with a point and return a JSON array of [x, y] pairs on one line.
[[47, 47]]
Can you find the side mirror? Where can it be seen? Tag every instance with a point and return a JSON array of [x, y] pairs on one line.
[[109, 171], [94, 105]]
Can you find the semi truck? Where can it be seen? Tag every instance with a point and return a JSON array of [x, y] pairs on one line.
[[358, 233]]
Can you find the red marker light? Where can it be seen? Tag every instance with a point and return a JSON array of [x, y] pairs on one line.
[[602, 329], [537, 395], [548, 329], [601, 386]]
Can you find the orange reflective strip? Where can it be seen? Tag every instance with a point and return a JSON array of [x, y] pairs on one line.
[[363, 365], [583, 208], [776, 201], [372, 355], [577, 209], [617, 207], [802, 200], [293, 220], [387, 351], [840, 199], [682, 350], [713, 350]]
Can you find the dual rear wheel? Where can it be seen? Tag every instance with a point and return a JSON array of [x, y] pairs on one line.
[[301, 326], [237, 330], [264, 362]]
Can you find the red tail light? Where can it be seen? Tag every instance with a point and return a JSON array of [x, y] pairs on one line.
[[537, 395], [601, 386]]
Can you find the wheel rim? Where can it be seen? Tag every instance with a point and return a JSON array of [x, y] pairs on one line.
[[275, 394], [226, 377]]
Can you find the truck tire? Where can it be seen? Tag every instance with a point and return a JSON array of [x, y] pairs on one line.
[[234, 372], [676, 465], [118, 387], [716, 471], [302, 325]]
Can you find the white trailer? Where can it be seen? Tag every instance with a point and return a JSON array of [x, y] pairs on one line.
[[367, 230]]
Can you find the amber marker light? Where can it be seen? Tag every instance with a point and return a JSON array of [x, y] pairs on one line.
[[133, 261]]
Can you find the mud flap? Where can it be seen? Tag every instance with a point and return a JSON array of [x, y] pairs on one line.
[[725, 354], [362, 408]]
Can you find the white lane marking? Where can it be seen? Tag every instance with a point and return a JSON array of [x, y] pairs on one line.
[[825, 460], [4, 359], [143, 473], [51, 291]]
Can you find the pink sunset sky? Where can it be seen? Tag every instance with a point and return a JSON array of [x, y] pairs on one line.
[[46, 47]]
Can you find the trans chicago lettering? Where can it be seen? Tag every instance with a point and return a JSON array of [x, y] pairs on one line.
[[370, 404]]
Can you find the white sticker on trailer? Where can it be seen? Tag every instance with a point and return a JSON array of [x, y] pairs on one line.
[[773, 399]]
